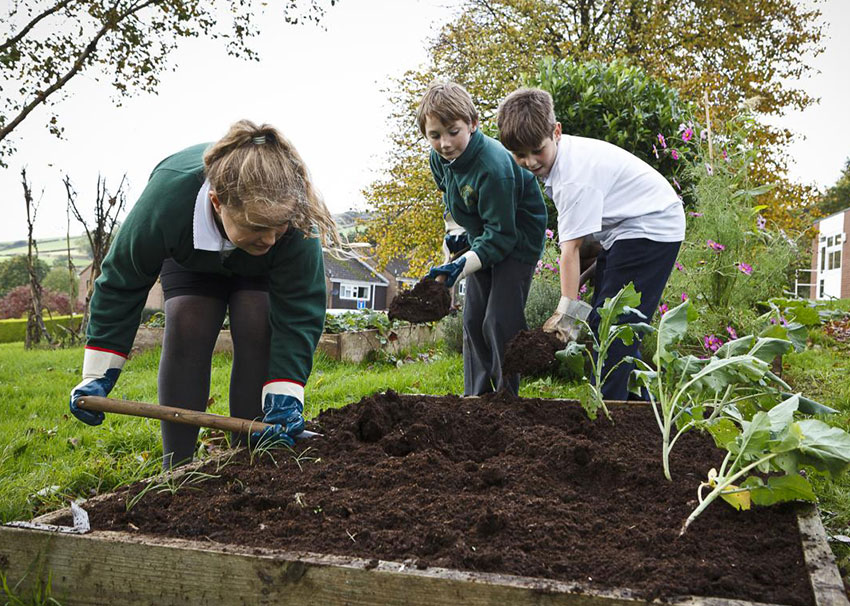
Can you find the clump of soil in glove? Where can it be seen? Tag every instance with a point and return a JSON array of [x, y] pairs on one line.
[[531, 353], [494, 484], [427, 301]]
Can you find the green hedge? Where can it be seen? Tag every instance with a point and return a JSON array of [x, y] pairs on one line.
[[16, 329]]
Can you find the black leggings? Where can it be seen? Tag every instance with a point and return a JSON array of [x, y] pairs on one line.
[[192, 325]]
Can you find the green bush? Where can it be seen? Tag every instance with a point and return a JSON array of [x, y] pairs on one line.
[[542, 300], [15, 330], [619, 103], [452, 329]]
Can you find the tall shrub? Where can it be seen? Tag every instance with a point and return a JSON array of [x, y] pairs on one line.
[[616, 102], [731, 258]]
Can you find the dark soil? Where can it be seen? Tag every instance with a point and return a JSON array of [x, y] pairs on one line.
[[427, 301], [495, 484], [531, 353]]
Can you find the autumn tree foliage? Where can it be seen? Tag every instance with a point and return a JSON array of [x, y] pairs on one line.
[[730, 51]]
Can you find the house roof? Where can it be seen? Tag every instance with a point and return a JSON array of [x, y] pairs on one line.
[[352, 268]]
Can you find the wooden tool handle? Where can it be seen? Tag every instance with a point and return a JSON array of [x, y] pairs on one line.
[[170, 413]]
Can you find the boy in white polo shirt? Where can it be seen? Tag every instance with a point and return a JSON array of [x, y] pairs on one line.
[[605, 193]]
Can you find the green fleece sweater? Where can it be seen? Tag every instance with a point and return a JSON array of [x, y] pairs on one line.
[[160, 226], [498, 203]]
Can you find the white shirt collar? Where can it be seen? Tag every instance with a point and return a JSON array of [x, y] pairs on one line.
[[205, 232], [553, 173]]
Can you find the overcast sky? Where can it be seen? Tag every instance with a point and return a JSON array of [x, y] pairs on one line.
[[322, 88]]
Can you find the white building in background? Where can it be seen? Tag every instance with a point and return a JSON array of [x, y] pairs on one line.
[[830, 270]]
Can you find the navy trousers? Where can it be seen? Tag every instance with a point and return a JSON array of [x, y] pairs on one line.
[[493, 313], [647, 264]]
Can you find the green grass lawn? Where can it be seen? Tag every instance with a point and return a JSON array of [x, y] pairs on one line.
[[48, 457]]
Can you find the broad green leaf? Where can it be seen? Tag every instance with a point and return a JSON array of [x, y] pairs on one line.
[[724, 431], [626, 332], [805, 315], [810, 407], [633, 310], [671, 328], [614, 307], [782, 415], [572, 358], [824, 447], [721, 372], [780, 489], [767, 348], [587, 397], [736, 347], [755, 436]]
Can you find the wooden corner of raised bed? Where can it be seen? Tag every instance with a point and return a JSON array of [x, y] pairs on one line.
[[107, 567]]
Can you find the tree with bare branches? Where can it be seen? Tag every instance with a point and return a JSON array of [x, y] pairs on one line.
[[35, 323], [44, 44], [107, 208]]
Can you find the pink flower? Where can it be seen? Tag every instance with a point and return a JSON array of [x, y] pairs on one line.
[[745, 268], [708, 169], [688, 134], [711, 342], [662, 140], [732, 334], [583, 289], [676, 183], [693, 214], [715, 246], [549, 266], [655, 151], [684, 297], [761, 222], [679, 266], [663, 309], [675, 154], [703, 135], [725, 155], [550, 234]]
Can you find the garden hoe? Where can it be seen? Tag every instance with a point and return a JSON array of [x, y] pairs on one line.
[[179, 415]]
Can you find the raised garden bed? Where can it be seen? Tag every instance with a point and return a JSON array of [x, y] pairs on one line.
[[345, 346], [424, 500]]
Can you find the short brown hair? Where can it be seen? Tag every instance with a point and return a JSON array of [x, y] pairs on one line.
[[526, 117], [448, 101]]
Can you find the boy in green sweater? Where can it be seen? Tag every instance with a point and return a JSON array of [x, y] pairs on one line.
[[501, 208]]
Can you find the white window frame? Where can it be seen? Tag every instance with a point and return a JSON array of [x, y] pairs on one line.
[[350, 291]]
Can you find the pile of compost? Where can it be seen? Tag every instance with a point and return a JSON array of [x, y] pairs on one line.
[[427, 301], [494, 484]]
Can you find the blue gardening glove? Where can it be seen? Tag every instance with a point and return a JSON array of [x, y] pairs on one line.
[[456, 243], [100, 372], [460, 268], [285, 412]]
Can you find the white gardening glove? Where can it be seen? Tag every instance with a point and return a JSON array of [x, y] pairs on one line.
[[566, 322]]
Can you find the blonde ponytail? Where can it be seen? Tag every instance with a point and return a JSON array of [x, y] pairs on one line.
[[256, 169]]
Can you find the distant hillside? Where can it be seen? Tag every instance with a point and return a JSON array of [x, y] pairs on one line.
[[350, 222], [50, 249]]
